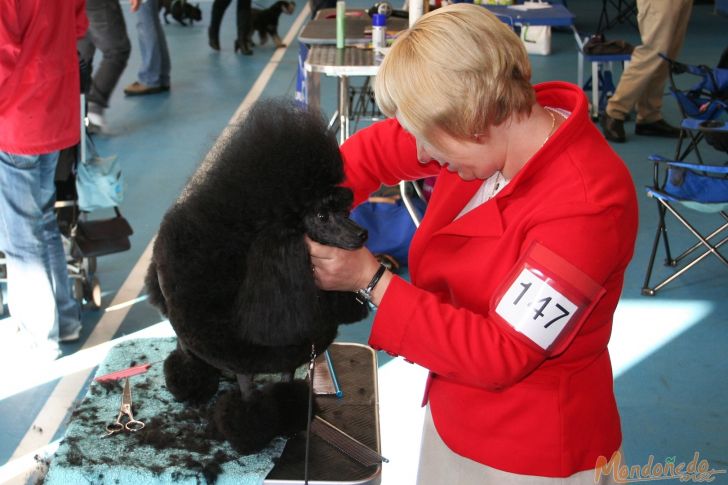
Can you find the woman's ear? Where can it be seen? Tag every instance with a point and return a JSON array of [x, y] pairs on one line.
[[277, 299]]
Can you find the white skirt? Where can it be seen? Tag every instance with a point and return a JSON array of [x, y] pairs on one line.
[[439, 465]]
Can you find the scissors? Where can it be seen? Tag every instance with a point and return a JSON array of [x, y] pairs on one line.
[[124, 410]]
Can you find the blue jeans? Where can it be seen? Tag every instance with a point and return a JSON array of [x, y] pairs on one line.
[[153, 46], [39, 294]]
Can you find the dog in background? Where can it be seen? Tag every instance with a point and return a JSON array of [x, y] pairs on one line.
[[265, 22], [181, 11]]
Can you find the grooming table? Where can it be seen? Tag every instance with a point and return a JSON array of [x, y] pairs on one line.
[[178, 447]]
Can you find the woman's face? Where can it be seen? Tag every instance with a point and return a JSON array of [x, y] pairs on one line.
[[470, 159]]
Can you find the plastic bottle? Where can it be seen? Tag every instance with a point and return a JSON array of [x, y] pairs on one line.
[[379, 31], [340, 24]]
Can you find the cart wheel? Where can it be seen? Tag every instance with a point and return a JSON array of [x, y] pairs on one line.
[[92, 294], [77, 290]]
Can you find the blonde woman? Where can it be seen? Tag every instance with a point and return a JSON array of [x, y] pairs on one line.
[[517, 266]]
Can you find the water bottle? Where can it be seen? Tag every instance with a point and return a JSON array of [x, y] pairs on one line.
[[379, 31]]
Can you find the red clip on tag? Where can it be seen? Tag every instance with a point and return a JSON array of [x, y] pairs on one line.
[[121, 374]]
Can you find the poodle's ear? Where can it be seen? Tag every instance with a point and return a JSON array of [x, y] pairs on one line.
[[277, 300]]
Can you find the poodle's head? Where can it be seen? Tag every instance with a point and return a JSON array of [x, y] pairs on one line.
[[328, 222], [279, 164]]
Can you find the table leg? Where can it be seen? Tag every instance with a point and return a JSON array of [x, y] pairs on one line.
[[343, 109], [313, 90]]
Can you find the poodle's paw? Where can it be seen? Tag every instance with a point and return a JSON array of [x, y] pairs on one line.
[[190, 379], [292, 401], [249, 425]]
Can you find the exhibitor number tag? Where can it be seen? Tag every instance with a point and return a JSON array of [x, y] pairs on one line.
[[533, 307]]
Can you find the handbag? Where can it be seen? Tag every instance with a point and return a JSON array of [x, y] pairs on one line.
[[103, 236], [537, 39], [99, 181]]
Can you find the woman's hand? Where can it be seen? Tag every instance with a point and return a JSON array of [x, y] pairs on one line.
[[337, 269]]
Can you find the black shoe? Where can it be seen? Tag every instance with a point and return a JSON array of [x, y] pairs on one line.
[[658, 128], [244, 48], [213, 40], [612, 128]]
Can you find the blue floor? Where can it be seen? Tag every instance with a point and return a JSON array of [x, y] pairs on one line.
[[669, 351]]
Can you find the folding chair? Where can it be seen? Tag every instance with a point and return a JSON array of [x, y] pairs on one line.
[[680, 187], [701, 102]]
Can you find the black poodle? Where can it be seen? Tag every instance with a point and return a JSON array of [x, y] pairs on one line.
[[231, 270]]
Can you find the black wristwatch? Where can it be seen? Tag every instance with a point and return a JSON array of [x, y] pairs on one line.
[[364, 295]]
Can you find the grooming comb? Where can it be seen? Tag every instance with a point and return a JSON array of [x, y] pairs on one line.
[[351, 447], [131, 371], [325, 382]]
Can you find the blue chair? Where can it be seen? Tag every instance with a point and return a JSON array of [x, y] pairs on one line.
[[700, 103], [680, 188]]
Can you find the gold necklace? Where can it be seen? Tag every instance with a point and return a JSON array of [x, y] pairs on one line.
[[499, 175], [553, 125]]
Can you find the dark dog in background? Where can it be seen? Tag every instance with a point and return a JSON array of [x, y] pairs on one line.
[[265, 22], [181, 11], [231, 271]]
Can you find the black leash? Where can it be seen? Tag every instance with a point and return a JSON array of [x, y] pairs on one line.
[[311, 366]]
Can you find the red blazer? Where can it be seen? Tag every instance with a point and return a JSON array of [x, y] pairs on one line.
[[39, 74], [497, 395]]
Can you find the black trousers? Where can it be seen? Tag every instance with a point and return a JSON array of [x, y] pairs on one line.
[[243, 19]]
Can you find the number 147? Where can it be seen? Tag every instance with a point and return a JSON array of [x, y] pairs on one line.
[[540, 305]]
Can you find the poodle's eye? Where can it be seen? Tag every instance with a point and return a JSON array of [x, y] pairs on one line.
[[322, 216]]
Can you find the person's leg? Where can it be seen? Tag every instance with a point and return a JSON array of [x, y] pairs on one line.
[[23, 217], [218, 11], [149, 46], [67, 308], [663, 29], [107, 32], [244, 24], [644, 63], [165, 64]]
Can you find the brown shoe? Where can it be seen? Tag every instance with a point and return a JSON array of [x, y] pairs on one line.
[[138, 89], [612, 128]]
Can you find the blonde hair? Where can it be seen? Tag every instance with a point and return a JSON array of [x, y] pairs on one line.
[[459, 69]]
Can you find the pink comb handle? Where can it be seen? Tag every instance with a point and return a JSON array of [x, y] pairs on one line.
[[120, 374]]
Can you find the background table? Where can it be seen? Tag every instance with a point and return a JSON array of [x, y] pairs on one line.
[[342, 64]]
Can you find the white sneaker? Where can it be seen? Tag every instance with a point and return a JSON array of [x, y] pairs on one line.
[[95, 122]]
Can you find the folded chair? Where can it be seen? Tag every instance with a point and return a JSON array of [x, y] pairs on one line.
[[682, 188], [702, 102]]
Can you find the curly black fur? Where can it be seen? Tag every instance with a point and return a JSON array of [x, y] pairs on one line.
[[231, 270], [265, 22]]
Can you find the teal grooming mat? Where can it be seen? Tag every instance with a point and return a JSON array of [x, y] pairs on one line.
[[179, 446]]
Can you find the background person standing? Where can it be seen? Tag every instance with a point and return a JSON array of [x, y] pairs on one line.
[[39, 116], [156, 66], [662, 25]]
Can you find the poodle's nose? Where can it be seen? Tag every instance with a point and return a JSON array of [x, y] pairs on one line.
[[362, 235]]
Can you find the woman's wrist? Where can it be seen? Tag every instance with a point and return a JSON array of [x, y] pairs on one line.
[[378, 291], [365, 292]]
